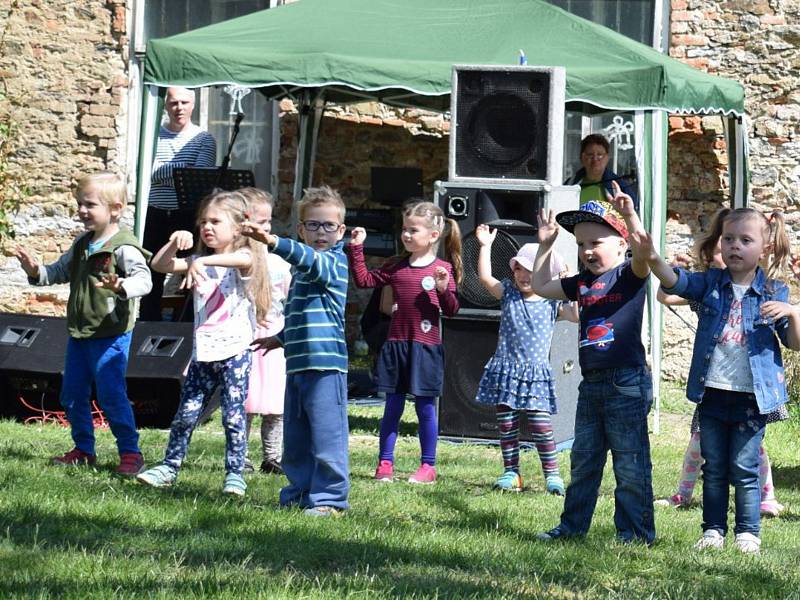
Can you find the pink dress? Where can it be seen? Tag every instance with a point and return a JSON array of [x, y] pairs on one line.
[[268, 374]]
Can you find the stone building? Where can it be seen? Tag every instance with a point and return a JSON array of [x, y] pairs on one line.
[[69, 76]]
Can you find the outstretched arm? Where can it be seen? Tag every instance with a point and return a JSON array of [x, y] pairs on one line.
[[543, 285], [166, 261], [485, 238], [624, 205], [642, 245]]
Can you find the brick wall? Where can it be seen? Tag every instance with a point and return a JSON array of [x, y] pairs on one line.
[[63, 71]]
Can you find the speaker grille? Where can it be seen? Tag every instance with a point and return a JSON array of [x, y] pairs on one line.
[[504, 248], [502, 128]]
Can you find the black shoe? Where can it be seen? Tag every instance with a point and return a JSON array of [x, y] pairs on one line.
[[270, 466]]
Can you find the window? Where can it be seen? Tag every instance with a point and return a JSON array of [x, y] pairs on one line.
[[256, 145], [632, 18]]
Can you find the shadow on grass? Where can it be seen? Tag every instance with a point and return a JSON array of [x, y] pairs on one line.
[[360, 423], [786, 477]]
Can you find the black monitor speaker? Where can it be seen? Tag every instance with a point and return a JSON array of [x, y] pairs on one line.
[[507, 124], [468, 344], [32, 351]]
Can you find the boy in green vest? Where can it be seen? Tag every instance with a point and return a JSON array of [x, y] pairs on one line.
[[106, 269]]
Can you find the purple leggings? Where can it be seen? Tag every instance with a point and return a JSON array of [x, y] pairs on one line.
[[428, 426]]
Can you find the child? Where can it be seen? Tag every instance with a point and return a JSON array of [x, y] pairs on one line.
[[315, 430], [616, 392], [231, 291], [412, 360], [106, 269], [710, 253], [268, 375], [737, 374], [518, 377]]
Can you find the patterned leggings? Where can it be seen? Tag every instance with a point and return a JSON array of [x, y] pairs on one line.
[[541, 430], [271, 435], [202, 380], [693, 460]]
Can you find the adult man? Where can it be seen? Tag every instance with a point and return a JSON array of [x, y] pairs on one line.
[[181, 143]]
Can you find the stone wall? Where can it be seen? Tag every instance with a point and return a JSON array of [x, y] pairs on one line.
[[63, 67], [756, 42]]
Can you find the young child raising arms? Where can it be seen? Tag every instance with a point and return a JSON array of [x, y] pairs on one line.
[[315, 428], [737, 374], [268, 375], [616, 392], [518, 377], [230, 284], [106, 269], [411, 361]]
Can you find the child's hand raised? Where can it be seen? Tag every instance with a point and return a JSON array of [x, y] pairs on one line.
[[182, 240], [642, 245], [548, 227], [110, 281], [621, 201], [485, 235], [442, 278], [28, 263], [358, 236]]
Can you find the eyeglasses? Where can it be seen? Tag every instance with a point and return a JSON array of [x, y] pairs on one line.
[[595, 156], [327, 226]]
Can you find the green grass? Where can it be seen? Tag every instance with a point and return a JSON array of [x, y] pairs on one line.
[[84, 533]]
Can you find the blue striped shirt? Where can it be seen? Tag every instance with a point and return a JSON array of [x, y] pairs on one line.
[[313, 338], [191, 147]]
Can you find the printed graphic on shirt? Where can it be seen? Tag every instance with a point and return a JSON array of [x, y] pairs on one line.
[[598, 333], [729, 368]]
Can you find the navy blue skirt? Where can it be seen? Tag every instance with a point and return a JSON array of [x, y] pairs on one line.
[[410, 368]]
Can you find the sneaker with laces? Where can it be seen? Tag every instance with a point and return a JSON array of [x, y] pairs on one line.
[[748, 543], [74, 457], [771, 508], [322, 511], [385, 471], [711, 539], [510, 481], [426, 474], [554, 485], [160, 476], [130, 464], [234, 485], [550, 536]]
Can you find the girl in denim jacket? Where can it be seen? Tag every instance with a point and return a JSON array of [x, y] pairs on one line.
[[737, 374]]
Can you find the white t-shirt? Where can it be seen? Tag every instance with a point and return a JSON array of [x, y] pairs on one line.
[[730, 364], [224, 315], [280, 277]]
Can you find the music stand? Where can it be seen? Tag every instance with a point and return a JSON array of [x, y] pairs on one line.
[[192, 184]]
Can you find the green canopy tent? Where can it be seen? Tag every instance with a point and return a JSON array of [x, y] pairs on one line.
[[401, 52]]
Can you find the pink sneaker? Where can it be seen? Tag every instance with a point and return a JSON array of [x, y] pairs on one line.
[[425, 474], [385, 471], [771, 508]]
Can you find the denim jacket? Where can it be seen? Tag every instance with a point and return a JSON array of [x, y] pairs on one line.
[[713, 292]]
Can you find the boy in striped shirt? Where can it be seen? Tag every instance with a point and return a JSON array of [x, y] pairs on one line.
[[315, 430]]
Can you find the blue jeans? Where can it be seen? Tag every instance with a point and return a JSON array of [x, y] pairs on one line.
[[315, 440], [103, 361], [232, 375], [731, 432], [612, 415]]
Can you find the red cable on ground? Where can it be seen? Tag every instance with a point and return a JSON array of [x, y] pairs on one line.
[[60, 417]]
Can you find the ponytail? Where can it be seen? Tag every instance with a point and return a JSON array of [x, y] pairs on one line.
[[778, 261], [452, 249], [706, 246]]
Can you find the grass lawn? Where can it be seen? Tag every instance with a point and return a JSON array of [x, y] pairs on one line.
[[84, 533]]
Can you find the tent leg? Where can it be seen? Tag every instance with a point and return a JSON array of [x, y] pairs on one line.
[[310, 115], [152, 105], [736, 140]]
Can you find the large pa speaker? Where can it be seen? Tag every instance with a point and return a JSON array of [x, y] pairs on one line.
[[507, 124], [32, 351], [468, 345]]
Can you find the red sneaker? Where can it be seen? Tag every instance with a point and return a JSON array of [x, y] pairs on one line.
[[130, 464], [385, 471], [425, 474], [74, 457]]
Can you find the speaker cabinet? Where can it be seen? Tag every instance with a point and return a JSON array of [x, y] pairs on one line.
[[468, 345], [32, 351], [507, 124]]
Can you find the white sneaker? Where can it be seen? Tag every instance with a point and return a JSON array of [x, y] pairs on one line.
[[711, 539], [748, 543]]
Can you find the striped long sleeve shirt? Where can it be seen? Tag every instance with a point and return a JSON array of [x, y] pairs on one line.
[[191, 147], [313, 337]]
